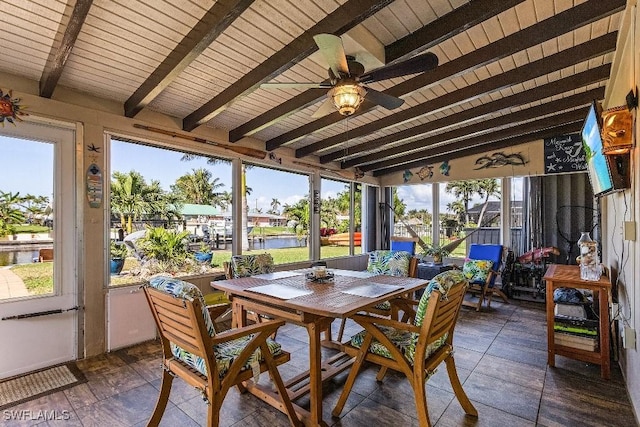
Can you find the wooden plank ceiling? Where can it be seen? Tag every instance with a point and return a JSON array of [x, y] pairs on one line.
[[509, 71]]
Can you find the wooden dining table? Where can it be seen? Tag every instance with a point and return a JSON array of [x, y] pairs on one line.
[[291, 296]]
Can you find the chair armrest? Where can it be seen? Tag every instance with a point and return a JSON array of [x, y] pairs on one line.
[[268, 327], [361, 319], [402, 300]]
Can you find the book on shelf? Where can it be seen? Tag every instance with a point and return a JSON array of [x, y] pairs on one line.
[[570, 310], [576, 341], [575, 325]]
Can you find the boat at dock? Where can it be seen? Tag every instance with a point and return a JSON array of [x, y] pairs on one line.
[[343, 239]]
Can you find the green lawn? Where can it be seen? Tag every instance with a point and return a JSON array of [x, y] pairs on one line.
[[31, 229], [37, 277]]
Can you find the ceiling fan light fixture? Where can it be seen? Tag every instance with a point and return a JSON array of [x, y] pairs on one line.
[[347, 97]]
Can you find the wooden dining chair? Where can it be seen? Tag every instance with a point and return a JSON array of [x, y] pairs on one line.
[[209, 361], [390, 263], [246, 266], [414, 349]]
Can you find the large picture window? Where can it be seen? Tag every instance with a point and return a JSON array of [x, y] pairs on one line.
[[336, 235], [169, 212], [26, 217], [277, 214]]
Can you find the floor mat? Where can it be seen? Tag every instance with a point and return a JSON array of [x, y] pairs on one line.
[[30, 386]]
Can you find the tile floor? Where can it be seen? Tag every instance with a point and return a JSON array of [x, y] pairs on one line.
[[501, 359]]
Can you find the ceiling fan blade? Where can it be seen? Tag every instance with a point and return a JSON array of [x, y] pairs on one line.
[[417, 64], [387, 101], [326, 108], [333, 51], [295, 85]]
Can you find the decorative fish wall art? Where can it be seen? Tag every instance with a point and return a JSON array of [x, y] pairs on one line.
[[500, 159]]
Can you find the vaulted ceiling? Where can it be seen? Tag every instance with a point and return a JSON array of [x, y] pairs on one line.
[[510, 71]]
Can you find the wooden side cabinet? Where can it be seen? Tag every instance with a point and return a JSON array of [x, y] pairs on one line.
[[568, 276]]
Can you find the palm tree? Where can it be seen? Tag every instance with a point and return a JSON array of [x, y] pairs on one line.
[[275, 203], [35, 206], [245, 192], [132, 197], [10, 212], [198, 187], [464, 190], [487, 188], [457, 207], [223, 200], [300, 213]]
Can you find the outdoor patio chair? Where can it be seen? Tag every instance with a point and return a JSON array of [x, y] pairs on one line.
[[209, 361], [408, 244], [391, 263], [415, 349], [481, 269], [246, 266]]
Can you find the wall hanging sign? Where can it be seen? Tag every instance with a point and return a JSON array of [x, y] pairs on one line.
[[10, 108], [316, 201], [94, 186], [564, 154]]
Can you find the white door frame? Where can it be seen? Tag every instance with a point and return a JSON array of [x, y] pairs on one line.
[[37, 342]]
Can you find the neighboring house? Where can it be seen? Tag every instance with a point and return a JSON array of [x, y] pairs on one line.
[[267, 220], [492, 213]]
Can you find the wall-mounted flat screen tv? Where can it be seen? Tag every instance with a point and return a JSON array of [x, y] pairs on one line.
[[597, 166]]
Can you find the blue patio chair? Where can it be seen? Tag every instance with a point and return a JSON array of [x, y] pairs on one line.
[[407, 244], [481, 269]]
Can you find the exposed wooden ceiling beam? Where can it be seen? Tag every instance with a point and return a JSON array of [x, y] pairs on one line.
[[445, 27], [274, 115], [566, 84], [337, 22], [549, 132], [62, 45], [549, 28], [409, 151], [422, 156], [217, 19], [546, 65], [461, 19]]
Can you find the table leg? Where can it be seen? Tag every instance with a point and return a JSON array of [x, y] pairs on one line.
[[551, 352], [315, 375], [239, 315], [605, 360]]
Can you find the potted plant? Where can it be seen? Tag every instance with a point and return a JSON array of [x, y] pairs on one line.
[[203, 254], [118, 252], [437, 252]]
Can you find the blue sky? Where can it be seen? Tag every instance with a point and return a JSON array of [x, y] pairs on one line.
[[28, 164], [27, 167]]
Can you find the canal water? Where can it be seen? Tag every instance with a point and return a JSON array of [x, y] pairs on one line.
[[26, 256], [17, 257]]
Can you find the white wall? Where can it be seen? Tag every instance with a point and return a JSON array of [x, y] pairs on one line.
[[621, 252]]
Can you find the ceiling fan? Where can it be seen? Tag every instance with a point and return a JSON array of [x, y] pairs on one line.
[[347, 78]]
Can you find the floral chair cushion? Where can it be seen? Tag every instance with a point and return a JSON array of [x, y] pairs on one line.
[[442, 283], [391, 263], [181, 289], [225, 353], [477, 270], [406, 341], [249, 265]]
